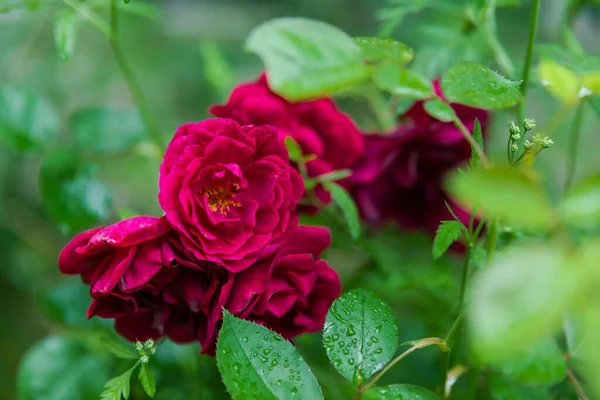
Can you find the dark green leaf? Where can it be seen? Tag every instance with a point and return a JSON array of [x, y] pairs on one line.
[[375, 50], [293, 149], [341, 197], [402, 82], [27, 122], [146, 378], [107, 130], [71, 196], [119, 349], [440, 110], [118, 387], [505, 193], [59, 368], [307, 59], [447, 233], [360, 335], [517, 300], [65, 33], [478, 86], [256, 363], [581, 204], [561, 82], [478, 136], [399, 392]]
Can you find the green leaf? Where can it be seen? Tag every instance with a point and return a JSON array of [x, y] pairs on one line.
[[478, 86], [594, 102], [119, 349], [126, 1], [71, 196], [256, 363], [65, 33], [59, 368], [561, 82], [332, 176], [503, 388], [293, 149], [591, 82], [375, 50], [360, 335], [307, 59], [581, 203], [541, 364], [343, 199], [217, 71], [399, 392], [118, 387], [505, 193], [402, 82], [27, 122], [518, 300], [107, 130], [447, 233], [146, 378], [478, 136], [440, 110], [139, 8]]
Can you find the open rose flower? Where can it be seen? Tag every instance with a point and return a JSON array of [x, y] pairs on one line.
[[228, 190], [317, 126], [400, 176]]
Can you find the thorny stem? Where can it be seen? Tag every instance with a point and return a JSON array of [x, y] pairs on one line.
[[574, 144], [463, 129], [533, 24], [131, 79]]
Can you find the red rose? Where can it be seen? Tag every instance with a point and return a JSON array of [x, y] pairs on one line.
[[291, 290], [228, 190], [318, 126], [399, 178]]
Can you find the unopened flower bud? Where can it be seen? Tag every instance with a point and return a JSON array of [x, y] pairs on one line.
[[515, 137], [528, 124], [547, 142], [514, 147], [513, 128], [139, 347], [528, 144], [144, 359]]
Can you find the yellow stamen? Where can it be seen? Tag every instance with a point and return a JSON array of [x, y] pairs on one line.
[[221, 199]]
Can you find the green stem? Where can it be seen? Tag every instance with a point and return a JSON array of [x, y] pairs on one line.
[[533, 24], [574, 144], [132, 82], [469, 137], [492, 238], [445, 360], [465, 274], [489, 33], [472, 386], [381, 109]]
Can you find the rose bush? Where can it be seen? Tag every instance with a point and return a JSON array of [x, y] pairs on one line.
[[228, 190]]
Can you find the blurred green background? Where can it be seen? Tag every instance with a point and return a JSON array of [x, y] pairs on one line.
[[188, 55]]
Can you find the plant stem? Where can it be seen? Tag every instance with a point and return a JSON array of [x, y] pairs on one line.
[[130, 78], [445, 360], [533, 24], [492, 238], [576, 385], [574, 144], [465, 274], [386, 118], [472, 387], [469, 137], [489, 33]]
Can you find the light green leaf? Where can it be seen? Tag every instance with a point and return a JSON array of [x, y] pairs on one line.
[[561, 82], [27, 122], [439, 110], [581, 203], [360, 335], [478, 86], [71, 196], [107, 130], [505, 193], [119, 349], [343, 199], [375, 50], [591, 82], [542, 363], [447, 233], [307, 59], [402, 82], [256, 363], [118, 387], [59, 368], [503, 388], [65, 33], [146, 378], [518, 300], [399, 392], [478, 136], [293, 149]]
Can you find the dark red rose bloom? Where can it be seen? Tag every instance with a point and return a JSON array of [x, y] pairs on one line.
[[228, 190], [291, 289], [318, 126], [400, 176]]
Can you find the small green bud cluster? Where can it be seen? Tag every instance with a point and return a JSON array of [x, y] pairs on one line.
[[145, 350], [528, 124], [538, 143]]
